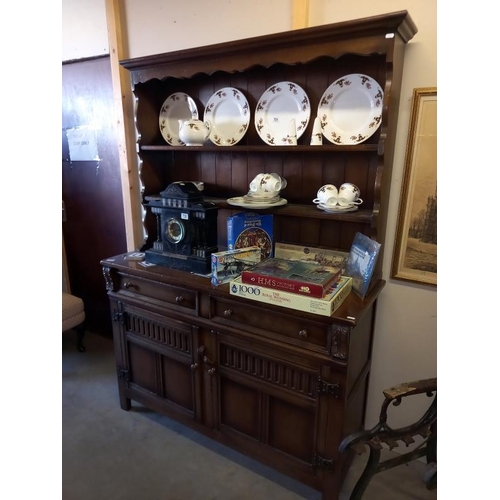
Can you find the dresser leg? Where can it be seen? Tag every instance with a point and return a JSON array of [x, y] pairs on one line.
[[125, 403]]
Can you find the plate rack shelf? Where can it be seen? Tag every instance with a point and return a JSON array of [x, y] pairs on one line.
[[313, 58], [264, 149]]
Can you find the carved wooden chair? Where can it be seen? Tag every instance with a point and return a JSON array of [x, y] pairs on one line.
[[73, 317], [383, 433]]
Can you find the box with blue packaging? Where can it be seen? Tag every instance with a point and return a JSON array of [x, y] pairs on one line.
[[248, 229], [230, 264]]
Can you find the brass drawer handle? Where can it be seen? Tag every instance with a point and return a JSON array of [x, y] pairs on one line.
[[194, 366], [228, 313], [129, 284], [179, 299], [303, 334], [211, 371]]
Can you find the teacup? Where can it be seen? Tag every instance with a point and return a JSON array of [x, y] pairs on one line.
[[267, 185], [283, 182], [255, 184], [327, 195], [349, 195]]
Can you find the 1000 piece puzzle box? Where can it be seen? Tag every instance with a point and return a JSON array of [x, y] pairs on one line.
[[248, 229]]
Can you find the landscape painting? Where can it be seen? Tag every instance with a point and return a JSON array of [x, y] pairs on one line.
[[415, 248]]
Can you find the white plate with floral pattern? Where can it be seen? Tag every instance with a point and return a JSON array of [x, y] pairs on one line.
[[177, 106], [241, 201], [278, 105], [350, 109], [229, 114]]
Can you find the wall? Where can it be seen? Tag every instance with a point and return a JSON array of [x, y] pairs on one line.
[[405, 346], [84, 29]]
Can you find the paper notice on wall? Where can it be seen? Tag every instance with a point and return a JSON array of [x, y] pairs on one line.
[[82, 142]]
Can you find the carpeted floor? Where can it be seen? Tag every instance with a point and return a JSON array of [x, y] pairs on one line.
[[111, 454]]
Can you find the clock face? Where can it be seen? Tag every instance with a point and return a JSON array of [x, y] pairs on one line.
[[174, 230]]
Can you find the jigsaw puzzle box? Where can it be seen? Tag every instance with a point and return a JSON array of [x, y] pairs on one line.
[[229, 264], [248, 229]]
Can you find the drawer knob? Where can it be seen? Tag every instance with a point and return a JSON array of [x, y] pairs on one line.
[[228, 313], [179, 299], [211, 371], [303, 334], [194, 366], [129, 284]]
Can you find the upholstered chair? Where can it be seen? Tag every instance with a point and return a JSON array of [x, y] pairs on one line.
[[73, 317]]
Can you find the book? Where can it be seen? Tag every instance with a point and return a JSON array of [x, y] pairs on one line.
[[228, 265], [361, 262], [303, 278], [325, 306], [248, 229], [323, 256]]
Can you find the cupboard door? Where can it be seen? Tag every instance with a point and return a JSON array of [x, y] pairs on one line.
[[267, 403], [158, 363]]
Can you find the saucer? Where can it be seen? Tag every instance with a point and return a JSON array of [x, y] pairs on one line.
[[266, 195], [241, 201], [253, 201], [252, 198], [337, 209], [336, 206]]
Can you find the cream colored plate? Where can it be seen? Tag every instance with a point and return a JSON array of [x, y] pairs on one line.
[[278, 105], [240, 201], [177, 106], [228, 112], [350, 109]]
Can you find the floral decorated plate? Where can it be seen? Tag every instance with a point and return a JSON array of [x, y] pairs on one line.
[[241, 201], [228, 112], [350, 109], [278, 105], [178, 106]]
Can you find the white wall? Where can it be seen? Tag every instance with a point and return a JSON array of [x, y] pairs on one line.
[[155, 26], [405, 345], [84, 29]]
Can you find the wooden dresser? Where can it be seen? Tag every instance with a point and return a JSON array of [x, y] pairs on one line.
[[279, 385]]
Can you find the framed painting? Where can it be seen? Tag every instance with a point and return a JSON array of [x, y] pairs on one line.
[[415, 247]]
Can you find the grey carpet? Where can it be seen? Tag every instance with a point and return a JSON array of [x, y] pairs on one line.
[[111, 454]]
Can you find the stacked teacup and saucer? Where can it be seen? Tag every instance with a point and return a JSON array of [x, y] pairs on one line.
[[264, 192], [341, 200]]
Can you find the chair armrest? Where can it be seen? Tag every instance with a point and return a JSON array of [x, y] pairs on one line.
[[411, 388]]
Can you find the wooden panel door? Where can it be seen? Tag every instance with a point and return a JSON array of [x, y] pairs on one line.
[[159, 357], [91, 190], [268, 404]]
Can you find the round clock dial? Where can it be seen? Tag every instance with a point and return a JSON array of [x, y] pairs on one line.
[[174, 230]]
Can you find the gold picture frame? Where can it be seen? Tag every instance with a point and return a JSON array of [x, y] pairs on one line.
[[415, 248]]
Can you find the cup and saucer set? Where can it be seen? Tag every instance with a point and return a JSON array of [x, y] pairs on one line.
[[264, 192], [344, 199]]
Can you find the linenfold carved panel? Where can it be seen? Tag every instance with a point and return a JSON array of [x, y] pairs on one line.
[[165, 334], [275, 372]]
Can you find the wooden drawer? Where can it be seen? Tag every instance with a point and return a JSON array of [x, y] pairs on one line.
[[282, 326], [161, 293]]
